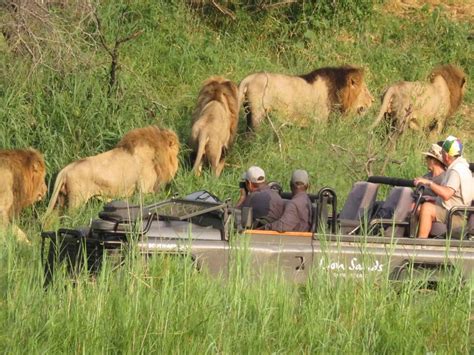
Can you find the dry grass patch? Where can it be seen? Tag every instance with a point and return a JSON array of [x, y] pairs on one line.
[[459, 10]]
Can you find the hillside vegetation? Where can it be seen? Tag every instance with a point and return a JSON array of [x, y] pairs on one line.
[[56, 96]]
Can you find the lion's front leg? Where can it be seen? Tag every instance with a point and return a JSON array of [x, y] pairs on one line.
[[4, 219], [14, 230], [440, 126], [19, 234], [148, 179]]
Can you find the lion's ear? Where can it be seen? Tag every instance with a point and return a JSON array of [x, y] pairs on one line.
[[36, 166], [463, 83], [354, 79]]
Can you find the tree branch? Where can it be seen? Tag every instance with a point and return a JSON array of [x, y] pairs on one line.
[[224, 10]]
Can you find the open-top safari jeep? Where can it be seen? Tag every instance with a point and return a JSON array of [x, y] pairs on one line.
[[364, 237]]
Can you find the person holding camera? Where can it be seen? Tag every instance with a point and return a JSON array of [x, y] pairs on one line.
[[266, 203], [297, 214]]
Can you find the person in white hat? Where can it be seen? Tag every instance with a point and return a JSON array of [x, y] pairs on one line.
[[297, 215], [266, 203]]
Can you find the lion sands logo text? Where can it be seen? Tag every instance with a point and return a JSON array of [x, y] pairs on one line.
[[353, 265]]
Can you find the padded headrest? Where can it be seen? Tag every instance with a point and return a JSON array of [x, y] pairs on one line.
[[399, 201], [360, 201]]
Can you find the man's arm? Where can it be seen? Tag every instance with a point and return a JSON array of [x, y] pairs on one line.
[[242, 197], [445, 192], [287, 221]]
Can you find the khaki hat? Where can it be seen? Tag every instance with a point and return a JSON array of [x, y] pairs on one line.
[[300, 176], [435, 152], [255, 175]]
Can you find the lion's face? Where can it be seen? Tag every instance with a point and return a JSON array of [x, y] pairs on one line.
[[363, 101], [29, 170], [42, 188], [355, 97], [38, 175]]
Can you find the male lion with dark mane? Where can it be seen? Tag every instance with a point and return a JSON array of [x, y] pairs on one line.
[[303, 98], [23, 183], [144, 159], [424, 105], [215, 122]]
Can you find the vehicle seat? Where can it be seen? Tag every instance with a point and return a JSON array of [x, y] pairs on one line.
[[396, 210], [358, 207], [439, 230]]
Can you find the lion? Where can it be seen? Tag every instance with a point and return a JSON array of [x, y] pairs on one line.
[[143, 160], [23, 174], [300, 99], [424, 106], [215, 122]]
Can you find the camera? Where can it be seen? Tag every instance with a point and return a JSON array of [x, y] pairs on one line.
[[243, 185]]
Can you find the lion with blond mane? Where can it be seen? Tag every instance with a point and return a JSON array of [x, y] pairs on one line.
[[23, 183], [143, 160], [215, 122], [424, 105], [305, 98]]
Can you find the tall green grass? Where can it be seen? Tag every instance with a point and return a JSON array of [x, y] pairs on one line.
[[165, 305], [65, 112]]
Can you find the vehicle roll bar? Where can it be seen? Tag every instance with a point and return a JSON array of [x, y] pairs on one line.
[[391, 181], [326, 195]]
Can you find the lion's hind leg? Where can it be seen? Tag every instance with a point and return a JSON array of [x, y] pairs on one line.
[[215, 157], [255, 113], [221, 162]]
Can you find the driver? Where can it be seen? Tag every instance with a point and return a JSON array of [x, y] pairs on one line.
[[297, 215], [266, 203], [456, 189]]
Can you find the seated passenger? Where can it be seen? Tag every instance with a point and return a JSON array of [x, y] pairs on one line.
[[436, 169], [266, 203], [456, 189], [297, 214]]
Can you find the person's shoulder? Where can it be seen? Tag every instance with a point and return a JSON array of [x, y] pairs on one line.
[[302, 195]]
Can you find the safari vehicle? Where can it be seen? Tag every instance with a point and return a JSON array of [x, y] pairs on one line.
[[358, 240]]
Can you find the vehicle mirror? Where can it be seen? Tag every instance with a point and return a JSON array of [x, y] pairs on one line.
[[247, 217]]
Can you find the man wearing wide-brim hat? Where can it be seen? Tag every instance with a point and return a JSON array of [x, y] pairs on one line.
[[456, 189], [436, 168]]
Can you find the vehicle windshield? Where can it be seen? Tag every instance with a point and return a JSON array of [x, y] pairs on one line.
[[183, 209]]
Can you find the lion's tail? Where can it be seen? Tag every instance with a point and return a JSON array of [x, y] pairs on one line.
[[202, 141], [387, 98], [58, 186], [243, 90]]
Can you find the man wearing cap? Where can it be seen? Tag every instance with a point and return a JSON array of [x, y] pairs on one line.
[[456, 189], [297, 214], [266, 203]]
